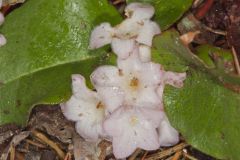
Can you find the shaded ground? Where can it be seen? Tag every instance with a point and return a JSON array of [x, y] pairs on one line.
[[224, 15], [50, 136]]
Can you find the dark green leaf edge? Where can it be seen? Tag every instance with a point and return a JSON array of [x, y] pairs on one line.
[[195, 61], [205, 112]]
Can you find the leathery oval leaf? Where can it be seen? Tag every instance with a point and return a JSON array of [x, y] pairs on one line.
[[47, 41], [204, 111]]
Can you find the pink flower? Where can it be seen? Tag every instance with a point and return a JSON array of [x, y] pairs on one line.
[[85, 108], [3, 40], [127, 106], [137, 29], [139, 11], [133, 127], [131, 83], [168, 136]]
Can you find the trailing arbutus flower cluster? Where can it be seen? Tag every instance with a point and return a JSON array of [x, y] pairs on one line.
[[127, 106]]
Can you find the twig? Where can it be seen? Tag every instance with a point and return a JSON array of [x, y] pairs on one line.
[[68, 156], [189, 156], [23, 150], [196, 3], [204, 9], [49, 142], [35, 143], [188, 37], [167, 152], [177, 155], [144, 156], [236, 62], [135, 154], [118, 1], [14, 142], [12, 152], [223, 33], [103, 145]]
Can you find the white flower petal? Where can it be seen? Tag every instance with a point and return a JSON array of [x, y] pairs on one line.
[[160, 90], [85, 108], [133, 127], [147, 32], [89, 118], [82, 99], [123, 47], [148, 142], [3, 40], [110, 126], [101, 35], [128, 29], [86, 112], [144, 53], [71, 109], [88, 130], [80, 89], [151, 74], [174, 79], [130, 64], [1, 18], [139, 11], [120, 151], [106, 76], [148, 97], [168, 136], [155, 116], [89, 124], [112, 97]]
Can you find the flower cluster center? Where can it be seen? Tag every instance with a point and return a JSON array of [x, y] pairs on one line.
[[133, 120], [100, 105], [134, 83]]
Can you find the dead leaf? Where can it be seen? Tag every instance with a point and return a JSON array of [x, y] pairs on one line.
[[50, 119], [14, 142], [187, 38], [84, 150]]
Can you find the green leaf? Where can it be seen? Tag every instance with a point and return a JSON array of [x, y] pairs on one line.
[[206, 113], [205, 52], [47, 42], [167, 12], [172, 43]]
